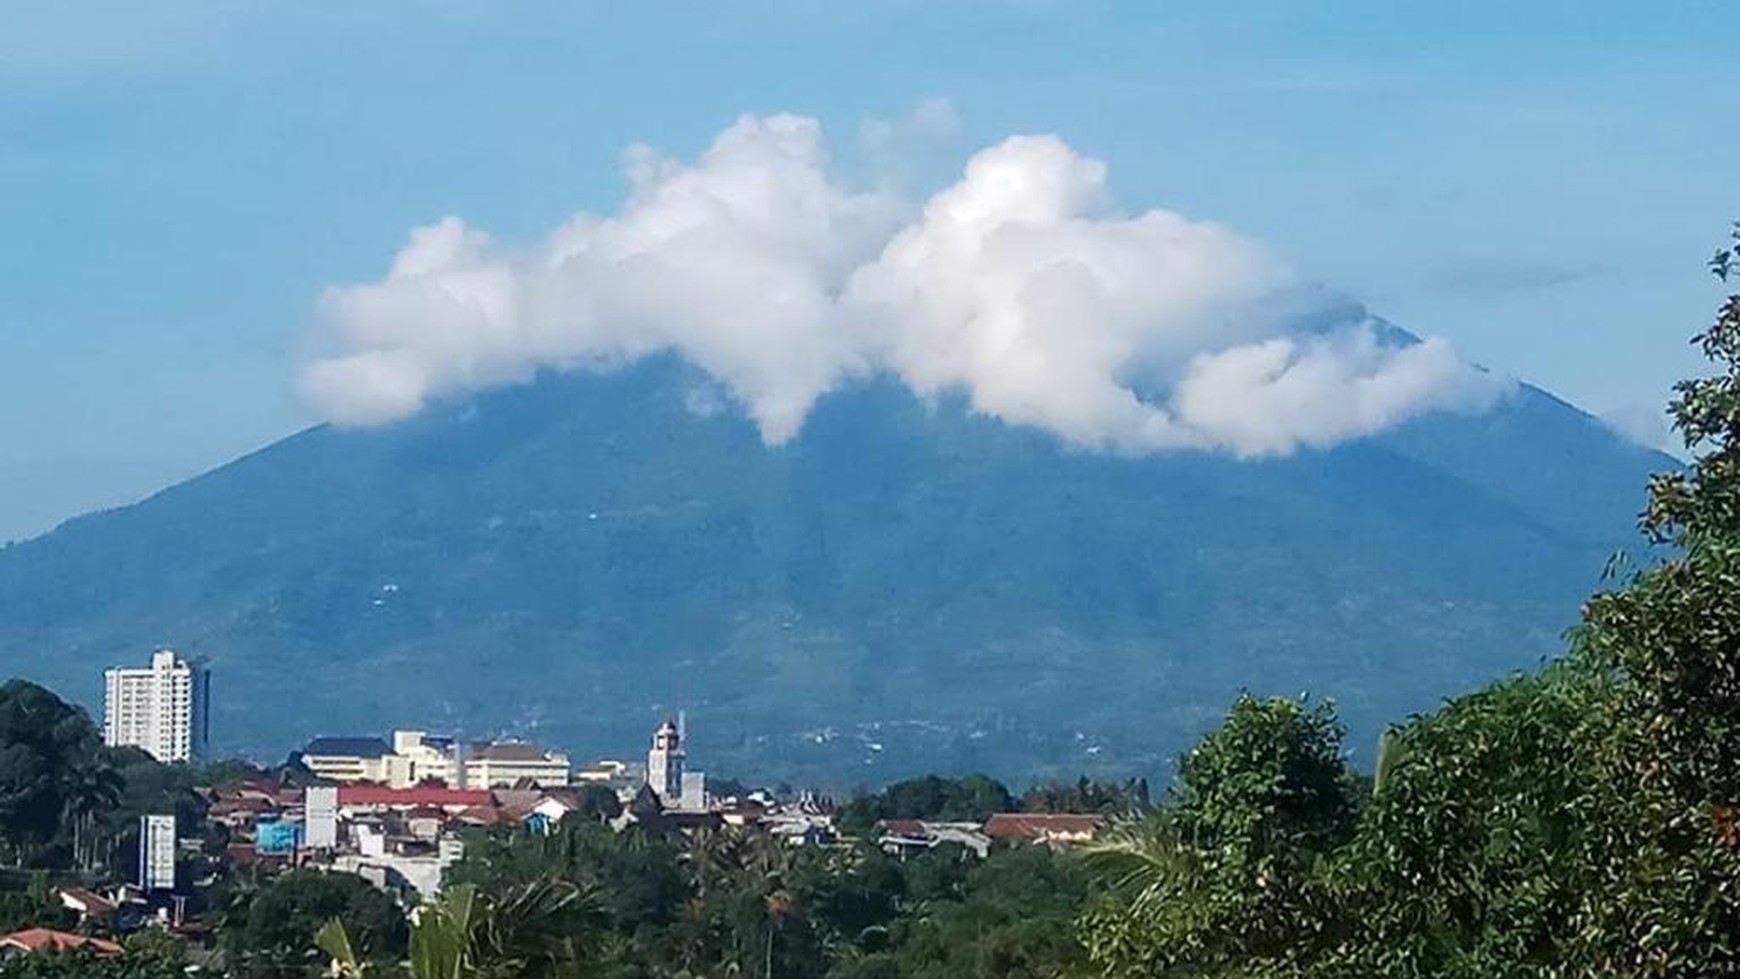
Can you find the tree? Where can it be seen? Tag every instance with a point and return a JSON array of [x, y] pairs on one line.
[[598, 803], [1670, 734], [635, 874], [1227, 873], [272, 933], [1088, 796], [1013, 919], [968, 799], [92, 788], [1583, 819], [538, 930], [43, 743]]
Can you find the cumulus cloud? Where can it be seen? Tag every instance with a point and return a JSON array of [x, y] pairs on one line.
[[1648, 427], [1020, 285]]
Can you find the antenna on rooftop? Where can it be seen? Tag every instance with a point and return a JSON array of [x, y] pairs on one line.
[[682, 711]]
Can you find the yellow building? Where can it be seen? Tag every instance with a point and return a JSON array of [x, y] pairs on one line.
[[415, 757]]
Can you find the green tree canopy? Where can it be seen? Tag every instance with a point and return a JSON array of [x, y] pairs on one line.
[[971, 798], [1580, 820], [45, 747], [270, 934]]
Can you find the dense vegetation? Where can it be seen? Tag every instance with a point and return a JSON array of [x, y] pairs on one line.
[[730, 902], [68, 802], [1582, 819]]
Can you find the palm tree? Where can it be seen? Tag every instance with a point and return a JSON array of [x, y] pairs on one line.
[[716, 857], [91, 789], [538, 930], [1144, 863], [335, 942]]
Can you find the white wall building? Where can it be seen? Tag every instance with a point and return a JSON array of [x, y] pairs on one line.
[[506, 764], [415, 757], [162, 708]]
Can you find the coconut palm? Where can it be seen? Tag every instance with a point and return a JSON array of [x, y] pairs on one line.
[[89, 790], [541, 930], [1143, 863], [335, 942]]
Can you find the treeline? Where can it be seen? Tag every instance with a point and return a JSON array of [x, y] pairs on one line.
[[973, 798], [733, 902]]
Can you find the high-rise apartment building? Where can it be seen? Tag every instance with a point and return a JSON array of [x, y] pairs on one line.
[[161, 708]]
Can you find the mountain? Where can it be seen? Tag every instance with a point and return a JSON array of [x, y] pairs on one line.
[[904, 587]]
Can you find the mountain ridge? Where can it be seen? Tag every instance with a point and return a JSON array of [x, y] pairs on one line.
[[906, 585]]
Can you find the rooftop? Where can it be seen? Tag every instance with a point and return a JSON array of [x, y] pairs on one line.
[[1041, 825], [49, 940], [508, 751], [417, 795], [347, 748], [89, 901]]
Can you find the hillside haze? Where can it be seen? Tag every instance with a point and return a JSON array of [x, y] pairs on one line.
[[904, 587]]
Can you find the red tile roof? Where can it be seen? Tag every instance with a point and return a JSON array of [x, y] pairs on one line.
[[89, 901], [913, 828], [480, 815], [1041, 825], [419, 795], [49, 940]]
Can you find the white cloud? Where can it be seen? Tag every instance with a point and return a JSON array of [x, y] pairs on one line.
[[1648, 427], [1271, 397], [1020, 284]]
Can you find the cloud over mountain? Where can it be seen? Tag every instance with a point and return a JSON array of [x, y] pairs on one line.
[[1020, 285]]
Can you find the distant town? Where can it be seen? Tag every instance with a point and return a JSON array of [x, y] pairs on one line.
[[394, 809]]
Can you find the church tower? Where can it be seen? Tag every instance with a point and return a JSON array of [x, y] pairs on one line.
[[664, 764]]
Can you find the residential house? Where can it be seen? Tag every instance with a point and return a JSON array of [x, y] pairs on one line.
[[1053, 829], [48, 940], [904, 837], [86, 904]]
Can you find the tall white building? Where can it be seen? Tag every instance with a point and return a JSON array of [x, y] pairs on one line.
[[161, 708], [664, 764]]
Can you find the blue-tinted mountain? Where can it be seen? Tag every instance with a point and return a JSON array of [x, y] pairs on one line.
[[904, 587]]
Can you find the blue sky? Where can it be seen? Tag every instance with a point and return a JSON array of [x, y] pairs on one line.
[[177, 184]]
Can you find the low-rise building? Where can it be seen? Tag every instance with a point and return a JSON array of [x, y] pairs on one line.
[[1052, 828], [350, 760], [904, 837], [48, 940], [507, 764], [86, 904], [416, 758], [355, 799], [608, 772]]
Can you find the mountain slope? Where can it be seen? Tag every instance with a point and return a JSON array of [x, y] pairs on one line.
[[904, 587]]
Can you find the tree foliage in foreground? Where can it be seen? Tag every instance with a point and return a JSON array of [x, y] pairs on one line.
[[730, 902], [1580, 820], [269, 933]]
